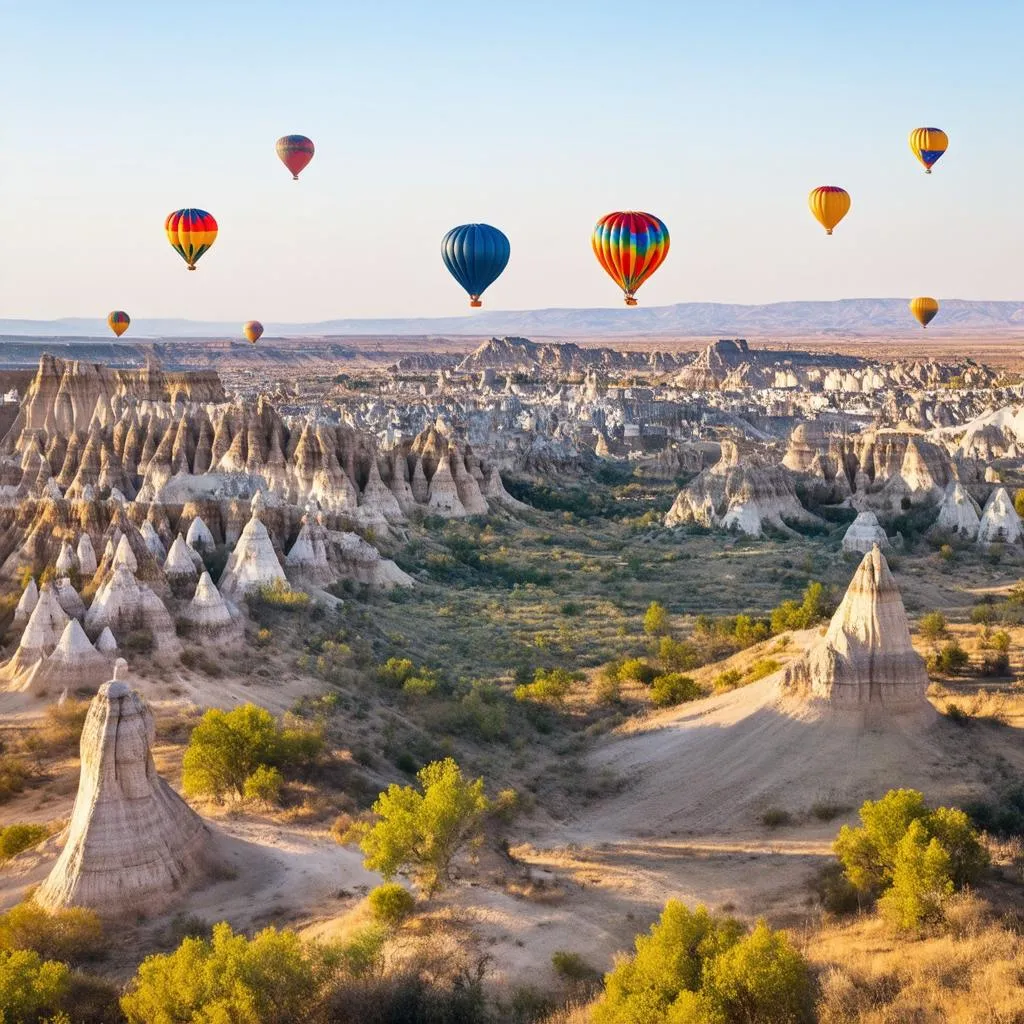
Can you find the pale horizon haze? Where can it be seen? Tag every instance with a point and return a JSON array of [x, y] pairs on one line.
[[535, 117]]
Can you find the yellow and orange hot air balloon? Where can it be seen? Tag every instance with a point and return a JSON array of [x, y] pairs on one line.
[[630, 246], [924, 309], [829, 204], [928, 144], [191, 232], [118, 321], [253, 330]]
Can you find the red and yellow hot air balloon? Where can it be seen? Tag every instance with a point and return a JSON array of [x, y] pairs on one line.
[[928, 144], [829, 204], [118, 321], [924, 309], [630, 246], [191, 232], [253, 330], [295, 152]]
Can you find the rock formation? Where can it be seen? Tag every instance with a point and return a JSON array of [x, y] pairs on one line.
[[26, 604], [124, 605], [864, 533], [999, 523], [865, 662], [74, 664], [132, 845], [740, 492], [208, 612], [958, 513], [252, 564]]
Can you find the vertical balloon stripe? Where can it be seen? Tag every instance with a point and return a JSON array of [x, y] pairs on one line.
[[630, 246]]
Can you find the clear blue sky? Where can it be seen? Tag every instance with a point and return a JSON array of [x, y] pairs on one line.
[[536, 117]]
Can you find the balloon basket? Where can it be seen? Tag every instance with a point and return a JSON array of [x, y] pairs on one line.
[[192, 266], [475, 303], [630, 301]]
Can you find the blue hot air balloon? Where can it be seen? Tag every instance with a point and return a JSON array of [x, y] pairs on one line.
[[475, 255]]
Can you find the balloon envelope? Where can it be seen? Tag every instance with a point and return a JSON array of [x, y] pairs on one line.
[[118, 321], [253, 330], [924, 309], [928, 144], [191, 232], [295, 152], [630, 246], [829, 204], [475, 255]]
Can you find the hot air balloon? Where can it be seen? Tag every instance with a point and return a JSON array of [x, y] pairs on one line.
[[928, 144], [118, 321], [295, 152], [924, 309], [191, 232], [475, 255], [829, 204], [253, 330], [630, 246]]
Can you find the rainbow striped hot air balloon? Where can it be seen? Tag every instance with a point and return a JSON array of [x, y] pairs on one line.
[[295, 152], [829, 204], [630, 246], [253, 330], [924, 309], [475, 255], [118, 321], [928, 144], [191, 232]]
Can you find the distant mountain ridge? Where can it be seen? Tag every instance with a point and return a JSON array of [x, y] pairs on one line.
[[846, 316]]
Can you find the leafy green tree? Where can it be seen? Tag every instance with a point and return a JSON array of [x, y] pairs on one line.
[[951, 658], [968, 858], [656, 620], [760, 980], [423, 830], [677, 655], [264, 785], [637, 670], [227, 747], [70, 934], [272, 978], [921, 882]]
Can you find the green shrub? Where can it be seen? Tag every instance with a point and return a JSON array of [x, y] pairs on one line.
[[692, 967], [281, 596], [637, 670], [548, 687], [272, 978], [673, 688], [13, 776], [16, 838], [138, 641], [776, 817], [902, 840], [921, 880], [950, 659], [264, 785], [814, 608], [572, 967], [391, 904], [678, 655], [656, 620], [73, 934], [424, 684], [394, 672], [1003, 818], [728, 679], [423, 830], [932, 626], [31, 988], [761, 668]]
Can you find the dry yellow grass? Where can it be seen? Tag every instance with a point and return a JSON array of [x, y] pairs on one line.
[[973, 972]]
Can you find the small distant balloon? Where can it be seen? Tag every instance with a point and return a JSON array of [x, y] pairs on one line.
[[191, 232], [928, 144], [829, 204], [630, 246], [295, 152], [118, 321], [924, 309], [475, 255], [253, 330]]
